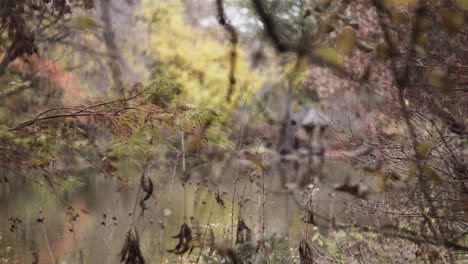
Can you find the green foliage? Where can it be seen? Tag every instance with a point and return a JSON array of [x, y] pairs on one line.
[[15, 86], [162, 92], [71, 183]]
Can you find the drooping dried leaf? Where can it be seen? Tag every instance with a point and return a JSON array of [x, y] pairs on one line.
[[308, 216], [305, 252], [130, 252], [244, 233], [219, 200], [147, 187], [185, 240]]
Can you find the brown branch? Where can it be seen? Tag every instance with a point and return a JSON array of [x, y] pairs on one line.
[[270, 28], [7, 58], [77, 112], [406, 234], [111, 46], [223, 21], [401, 80]]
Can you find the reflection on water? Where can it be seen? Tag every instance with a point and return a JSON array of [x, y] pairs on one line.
[[89, 224]]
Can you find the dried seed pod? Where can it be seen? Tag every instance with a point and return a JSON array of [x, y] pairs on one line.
[[130, 252], [244, 233], [185, 241], [219, 200], [40, 217], [147, 187], [305, 252]]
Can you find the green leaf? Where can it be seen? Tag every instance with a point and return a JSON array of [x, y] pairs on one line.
[[346, 40], [330, 56], [163, 91], [424, 148], [84, 23], [315, 236]]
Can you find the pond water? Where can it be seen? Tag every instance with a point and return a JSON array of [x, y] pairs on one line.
[[89, 223]]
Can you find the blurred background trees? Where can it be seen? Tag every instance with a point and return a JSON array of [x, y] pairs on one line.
[[354, 112]]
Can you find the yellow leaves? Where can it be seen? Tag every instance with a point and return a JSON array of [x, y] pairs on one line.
[[420, 44], [252, 158], [412, 171], [430, 173], [384, 50], [382, 182], [399, 3], [196, 55], [297, 69], [346, 40], [424, 148], [463, 4], [451, 21], [84, 23], [438, 78], [426, 172], [330, 56], [381, 52], [400, 18]]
